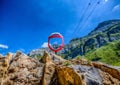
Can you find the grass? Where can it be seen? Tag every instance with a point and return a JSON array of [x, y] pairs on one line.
[[109, 54], [67, 63]]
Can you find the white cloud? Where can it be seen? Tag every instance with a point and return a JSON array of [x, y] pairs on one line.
[[44, 45], [3, 46], [116, 7]]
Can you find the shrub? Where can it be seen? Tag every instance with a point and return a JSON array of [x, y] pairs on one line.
[[67, 63]]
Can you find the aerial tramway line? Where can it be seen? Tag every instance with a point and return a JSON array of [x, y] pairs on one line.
[[81, 24], [76, 30]]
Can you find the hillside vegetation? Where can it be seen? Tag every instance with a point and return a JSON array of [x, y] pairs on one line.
[[109, 54], [105, 32], [101, 44]]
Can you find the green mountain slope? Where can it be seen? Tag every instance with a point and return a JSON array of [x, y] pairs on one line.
[[109, 54], [94, 45], [105, 32]]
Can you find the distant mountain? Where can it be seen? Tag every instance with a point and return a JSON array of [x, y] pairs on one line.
[[104, 33]]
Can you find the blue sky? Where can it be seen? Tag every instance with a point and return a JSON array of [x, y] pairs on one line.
[[26, 24]]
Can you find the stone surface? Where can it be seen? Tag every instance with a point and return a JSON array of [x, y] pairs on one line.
[[20, 69]]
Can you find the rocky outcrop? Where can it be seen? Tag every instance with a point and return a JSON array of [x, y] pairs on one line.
[[114, 72], [20, 69], [67, 76], [4, 65]]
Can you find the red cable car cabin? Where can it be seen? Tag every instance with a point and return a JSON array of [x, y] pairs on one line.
[[56, 35]]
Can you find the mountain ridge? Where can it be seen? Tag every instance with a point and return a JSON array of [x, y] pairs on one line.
[[105, 32], [95, 38]]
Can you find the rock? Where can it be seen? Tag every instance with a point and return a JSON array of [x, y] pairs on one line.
[[4, 65], [56, 58], [48, 70], [112, 71], [91, 74], [20, 69], [108, 79], [67, 76], [46, 58], [23, 70]]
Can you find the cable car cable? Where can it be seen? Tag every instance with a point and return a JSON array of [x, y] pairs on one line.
[[88, 16], [84, 12]]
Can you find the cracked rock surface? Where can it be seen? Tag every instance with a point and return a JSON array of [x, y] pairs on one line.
[[20, 69]]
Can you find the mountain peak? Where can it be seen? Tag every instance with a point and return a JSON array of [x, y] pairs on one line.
[[107, 23]]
